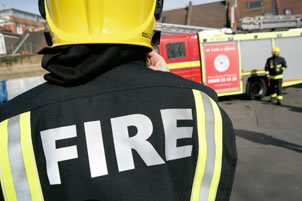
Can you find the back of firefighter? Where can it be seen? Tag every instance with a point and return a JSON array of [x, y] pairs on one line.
[[274, 67], [106, 127]]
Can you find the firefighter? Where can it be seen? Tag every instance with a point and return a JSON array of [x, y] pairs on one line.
[[274, 67], [106, 127]]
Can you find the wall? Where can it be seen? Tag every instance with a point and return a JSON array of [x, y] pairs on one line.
[[206, 15], [295, 5], [13, 67]]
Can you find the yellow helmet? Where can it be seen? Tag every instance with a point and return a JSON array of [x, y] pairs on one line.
[[101, 21], [276, 50]]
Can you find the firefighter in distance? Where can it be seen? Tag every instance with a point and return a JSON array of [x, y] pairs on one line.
[[275, 66]]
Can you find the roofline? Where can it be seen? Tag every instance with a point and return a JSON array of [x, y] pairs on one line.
[[194, 5], [14, 9]]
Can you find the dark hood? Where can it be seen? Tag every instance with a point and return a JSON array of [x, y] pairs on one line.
[[77, 64]]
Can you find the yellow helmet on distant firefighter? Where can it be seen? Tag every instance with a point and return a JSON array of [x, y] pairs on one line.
[[101, 21], [276, 51]]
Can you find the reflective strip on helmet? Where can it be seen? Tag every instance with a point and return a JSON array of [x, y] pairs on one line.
[[208, 168], [276, 77], [280, 97], [20, 176]]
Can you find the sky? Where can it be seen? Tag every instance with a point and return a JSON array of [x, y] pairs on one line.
[[32, 5]]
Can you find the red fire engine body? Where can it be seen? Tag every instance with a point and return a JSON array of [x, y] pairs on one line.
[[232, 63]]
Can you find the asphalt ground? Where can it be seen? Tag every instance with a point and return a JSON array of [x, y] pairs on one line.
[[269, 145]]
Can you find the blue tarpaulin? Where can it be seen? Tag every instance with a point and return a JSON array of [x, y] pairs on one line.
[[3, 92]]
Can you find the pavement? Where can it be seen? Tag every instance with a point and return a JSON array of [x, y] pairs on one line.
[[269, 145]]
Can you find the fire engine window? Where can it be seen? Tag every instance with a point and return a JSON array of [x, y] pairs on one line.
[[176, 50], [156, 49], [164, 19], [255, 4]]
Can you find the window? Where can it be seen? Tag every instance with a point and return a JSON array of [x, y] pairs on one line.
[[164, 19], [288, 11], [176, 50], [268, 13], [156, 49], [19, 29], [254, 4]]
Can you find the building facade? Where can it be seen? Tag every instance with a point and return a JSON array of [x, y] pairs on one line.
[[238, 9], [212, 15], [17, 21], [228, 13]]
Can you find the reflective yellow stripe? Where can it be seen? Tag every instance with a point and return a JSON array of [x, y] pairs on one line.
[[218, 157], [184, 65], [29, 158], [202, 146], [283, 68], [274, 95], [276, 77], [253, 72], [280, 97], [279, 66], [209, 161], [291, 82], [5, 170]]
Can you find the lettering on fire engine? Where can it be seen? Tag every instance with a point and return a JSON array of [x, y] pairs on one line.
[[123, 143]]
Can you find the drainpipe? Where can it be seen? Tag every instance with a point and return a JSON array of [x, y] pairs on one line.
[[278, 7], [189, 14], [233, 15], [274, 7]]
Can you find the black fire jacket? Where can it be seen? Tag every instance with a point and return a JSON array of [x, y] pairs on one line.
[[130, 134]]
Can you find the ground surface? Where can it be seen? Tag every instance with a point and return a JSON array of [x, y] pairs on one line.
[[269, 143]]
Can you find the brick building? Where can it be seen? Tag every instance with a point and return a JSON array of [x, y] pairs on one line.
[[289, 7], [227, 13], [17, 21], [238, 9], [207, 15]]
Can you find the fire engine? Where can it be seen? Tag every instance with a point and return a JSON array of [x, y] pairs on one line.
[[230, 63]]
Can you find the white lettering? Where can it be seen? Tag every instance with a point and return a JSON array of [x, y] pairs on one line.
[[124, 144], [54, 156], [95, 147], [174, 133]]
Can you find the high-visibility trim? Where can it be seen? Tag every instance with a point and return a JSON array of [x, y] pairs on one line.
[[184, 65], [19, 175], [279, 65], [208, 169], [280, 97], [7, 183], [252, 72], [16, 159], [283, 68], [274, 95], [202, 146], [204, 193], [240, 66], [229, 93], [218, 152], [29, 158], [276, 77], [291, 82]]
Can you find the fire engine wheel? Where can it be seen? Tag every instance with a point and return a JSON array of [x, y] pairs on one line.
[[257, 89]]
